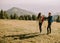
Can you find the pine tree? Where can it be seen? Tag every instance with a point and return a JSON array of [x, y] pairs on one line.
[[58, 19], [6, 16], [21, 17], [11, 16], [34, 17], [29, 17], [15, 16], [25, 17], [2, 14]]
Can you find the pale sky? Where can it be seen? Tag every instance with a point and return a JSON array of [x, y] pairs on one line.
[[36, 6]]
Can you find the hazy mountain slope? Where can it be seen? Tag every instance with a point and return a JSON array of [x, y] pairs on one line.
[[19, 11]]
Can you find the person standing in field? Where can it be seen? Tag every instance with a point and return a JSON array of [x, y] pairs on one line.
[[49, 23], [40, 19]]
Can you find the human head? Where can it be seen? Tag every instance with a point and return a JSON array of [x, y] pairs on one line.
[[39, 14], [49, 14]]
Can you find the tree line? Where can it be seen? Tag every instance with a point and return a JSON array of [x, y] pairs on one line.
[[4, 15]]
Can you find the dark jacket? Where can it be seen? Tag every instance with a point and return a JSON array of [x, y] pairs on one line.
[[50, 19]]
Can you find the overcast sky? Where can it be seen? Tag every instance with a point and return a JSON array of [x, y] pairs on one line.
[[36, 6]]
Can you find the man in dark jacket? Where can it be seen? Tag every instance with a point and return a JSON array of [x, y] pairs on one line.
[[49, 23]]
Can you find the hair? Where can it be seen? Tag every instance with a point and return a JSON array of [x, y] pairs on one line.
[[49, 13], [39, 15]]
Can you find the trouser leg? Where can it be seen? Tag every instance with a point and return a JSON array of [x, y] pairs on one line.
[[40, 28], [40, 25], [49, 28]]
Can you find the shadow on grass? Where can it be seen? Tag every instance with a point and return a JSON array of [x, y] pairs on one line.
[[23, 36]]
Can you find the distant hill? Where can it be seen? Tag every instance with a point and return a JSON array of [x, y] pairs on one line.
[[19, 11]]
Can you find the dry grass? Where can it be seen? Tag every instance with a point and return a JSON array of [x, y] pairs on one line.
[[11, 31]]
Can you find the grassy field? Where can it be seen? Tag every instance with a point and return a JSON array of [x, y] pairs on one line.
[[21, 31]]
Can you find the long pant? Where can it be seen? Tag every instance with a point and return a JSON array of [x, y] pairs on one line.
[[40, 27], [49, 28]]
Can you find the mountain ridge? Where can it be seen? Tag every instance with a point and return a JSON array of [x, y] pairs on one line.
[[19, 11]]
